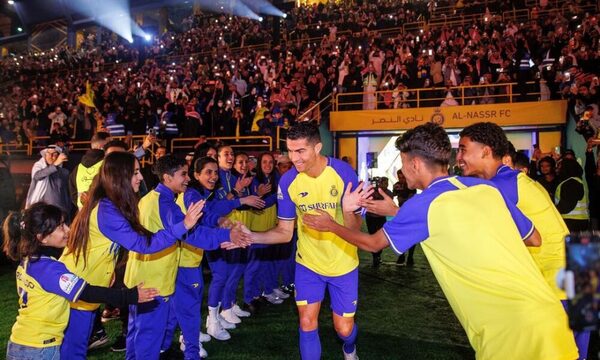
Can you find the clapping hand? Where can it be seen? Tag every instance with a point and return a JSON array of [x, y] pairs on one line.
[[194, 212]]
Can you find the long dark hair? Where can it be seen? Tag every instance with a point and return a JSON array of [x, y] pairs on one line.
[[112, 182], [21, 229], [199, 165], [262, 177]]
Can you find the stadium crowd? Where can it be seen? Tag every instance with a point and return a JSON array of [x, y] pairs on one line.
[[242, 83]]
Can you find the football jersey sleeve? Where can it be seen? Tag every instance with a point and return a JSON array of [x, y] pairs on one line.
[[524, 225], [55, 278], [409, 226], [286, 209]]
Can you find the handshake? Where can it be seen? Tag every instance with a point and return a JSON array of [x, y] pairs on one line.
[[240, 236]]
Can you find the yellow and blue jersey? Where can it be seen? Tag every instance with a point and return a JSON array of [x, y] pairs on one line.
[[228, 179], [158, 210], [266, 218], [108, 231], [534, 202], [45, 287], [473, 239], [322, 252]]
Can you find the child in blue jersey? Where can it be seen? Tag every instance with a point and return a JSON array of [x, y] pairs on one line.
[[108, 221], [189, 284], [318, 182], [45, 286], [158, 210], [206, 181], [474, 239], [229, 265], [261, 270], [237, 259]]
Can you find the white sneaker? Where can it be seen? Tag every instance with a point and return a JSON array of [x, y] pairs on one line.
[[351, 356], [226, 324], [272, 298], [239, 312], [215, 329], [203, 353], [280, 294], [230, 316], [204, 337]]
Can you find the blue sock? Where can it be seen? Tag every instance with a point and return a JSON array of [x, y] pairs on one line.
[[310, 345], [350, 340]]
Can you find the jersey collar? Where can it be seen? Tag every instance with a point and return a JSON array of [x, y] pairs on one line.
[[502, 168], [439, 180], [165, 191]]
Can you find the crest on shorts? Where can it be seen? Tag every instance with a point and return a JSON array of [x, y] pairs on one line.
[[333, 191]]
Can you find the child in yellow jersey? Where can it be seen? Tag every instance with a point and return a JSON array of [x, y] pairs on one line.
[[474, 239], [481, 151], [108, 221], [45, 286], [158, 210], [324, 261]]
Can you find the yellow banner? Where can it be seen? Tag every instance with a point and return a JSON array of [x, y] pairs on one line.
[[512, 114]]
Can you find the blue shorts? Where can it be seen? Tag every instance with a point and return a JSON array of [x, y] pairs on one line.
[[343, 290]]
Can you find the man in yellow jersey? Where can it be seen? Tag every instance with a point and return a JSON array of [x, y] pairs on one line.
[[474, 241], [323, 260], [481, 149], [158, 210]]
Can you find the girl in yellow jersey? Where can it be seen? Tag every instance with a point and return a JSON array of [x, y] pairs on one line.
[[108, 221], [45, 286]]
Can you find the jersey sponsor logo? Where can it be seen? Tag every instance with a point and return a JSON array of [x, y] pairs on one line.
[[318, 206], [67, 282], [279, 193], [333, 191], [303, 194]]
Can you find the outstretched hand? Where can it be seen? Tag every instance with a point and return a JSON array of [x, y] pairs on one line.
[[352, 199], [384, 207], [320, 222], [240, 236], [254, 201], [194, 212]]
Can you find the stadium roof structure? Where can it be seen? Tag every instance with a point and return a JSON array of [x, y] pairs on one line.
[[32, 12]]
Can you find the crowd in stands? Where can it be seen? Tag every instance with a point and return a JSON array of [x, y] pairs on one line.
[[222, 75]]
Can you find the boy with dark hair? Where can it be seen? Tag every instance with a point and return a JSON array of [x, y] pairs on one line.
[[483, 158], [148, 323], [473, 239]]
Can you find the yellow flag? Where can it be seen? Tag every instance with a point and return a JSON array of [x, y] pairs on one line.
[[87, 99]]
